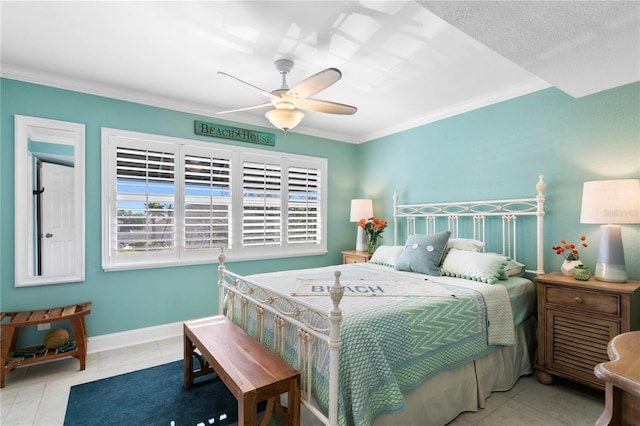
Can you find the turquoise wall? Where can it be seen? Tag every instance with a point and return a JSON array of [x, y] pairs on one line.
[[124, 300], [494, 152], [499, 151]]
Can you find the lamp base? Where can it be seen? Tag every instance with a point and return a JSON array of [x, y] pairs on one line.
[[610, 265], [610, 273], [361, 242]]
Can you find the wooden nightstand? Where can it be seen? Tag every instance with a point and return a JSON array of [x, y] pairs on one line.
[[576, 321], [352, 256]]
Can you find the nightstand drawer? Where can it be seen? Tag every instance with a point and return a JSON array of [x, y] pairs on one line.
[[353, 259], [590, 301], [353, 256]]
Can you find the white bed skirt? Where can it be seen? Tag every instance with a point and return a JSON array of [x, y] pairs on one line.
[[443, 397], [451, 392]]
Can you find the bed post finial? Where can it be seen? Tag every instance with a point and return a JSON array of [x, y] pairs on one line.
[[221, 258], [540, 187], [335, 317], [336, 293], [395, 218]]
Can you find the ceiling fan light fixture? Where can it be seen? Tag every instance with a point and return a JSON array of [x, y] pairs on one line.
[[284, 118]]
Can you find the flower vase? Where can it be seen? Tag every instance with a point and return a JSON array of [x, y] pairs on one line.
[[568, 266], [581, 273], [372, 243]]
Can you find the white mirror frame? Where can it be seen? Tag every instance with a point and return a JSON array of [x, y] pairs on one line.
[[60, 132]]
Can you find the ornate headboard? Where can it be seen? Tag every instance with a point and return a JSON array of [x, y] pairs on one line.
[[479, 214]]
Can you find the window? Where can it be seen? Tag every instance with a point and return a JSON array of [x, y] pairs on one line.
[[169, 201]]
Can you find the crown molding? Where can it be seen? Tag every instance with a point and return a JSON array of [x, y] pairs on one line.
[[109, 91], [530, 86]]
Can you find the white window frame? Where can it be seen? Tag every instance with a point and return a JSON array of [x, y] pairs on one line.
[[111, 138]]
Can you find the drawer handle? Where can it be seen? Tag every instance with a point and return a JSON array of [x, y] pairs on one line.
[[578, 300]]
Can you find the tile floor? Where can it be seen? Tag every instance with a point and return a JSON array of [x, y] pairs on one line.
[[37, 394]]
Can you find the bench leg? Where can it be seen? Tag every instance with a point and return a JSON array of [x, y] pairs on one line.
[[294, 402], [248, 409], [271, 403], [292, 416], [80, 334], [188, 362], [9, 338]]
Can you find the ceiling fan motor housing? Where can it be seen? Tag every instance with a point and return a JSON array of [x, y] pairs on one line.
[[283, 65]]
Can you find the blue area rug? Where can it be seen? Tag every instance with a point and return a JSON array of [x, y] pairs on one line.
[[153, 396]]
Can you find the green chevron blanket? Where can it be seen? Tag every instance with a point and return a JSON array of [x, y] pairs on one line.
[[391, 345]]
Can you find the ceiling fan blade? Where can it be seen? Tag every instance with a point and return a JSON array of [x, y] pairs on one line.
[[256, 88], [326, 106], [314, 84], [246, 108]]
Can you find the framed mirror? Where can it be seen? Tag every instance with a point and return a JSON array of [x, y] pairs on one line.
[[49, 201]]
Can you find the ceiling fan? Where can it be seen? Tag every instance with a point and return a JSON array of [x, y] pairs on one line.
[[287, 102]]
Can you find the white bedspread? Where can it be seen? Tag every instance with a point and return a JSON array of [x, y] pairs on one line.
[[366, 276]]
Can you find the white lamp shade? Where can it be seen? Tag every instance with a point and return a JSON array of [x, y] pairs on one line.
[[611, 201], [361, 209]]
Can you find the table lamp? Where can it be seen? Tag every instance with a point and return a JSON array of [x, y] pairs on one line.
[[361, 209], [611, 203]]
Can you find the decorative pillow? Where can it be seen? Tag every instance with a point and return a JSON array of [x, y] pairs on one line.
[[471, 265], [423, 253], [386, 255], [465, 244]]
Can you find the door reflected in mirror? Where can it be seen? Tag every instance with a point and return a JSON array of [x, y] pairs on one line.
[[49, 210]]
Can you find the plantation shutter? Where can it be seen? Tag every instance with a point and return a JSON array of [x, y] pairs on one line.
[[261, 204], [169, 201], [145, 200], [303, 205], [207, 205]]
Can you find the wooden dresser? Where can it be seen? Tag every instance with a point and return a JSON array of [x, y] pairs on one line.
[[576, 321]]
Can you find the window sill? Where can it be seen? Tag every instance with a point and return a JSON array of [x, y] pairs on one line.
[[213, 260]]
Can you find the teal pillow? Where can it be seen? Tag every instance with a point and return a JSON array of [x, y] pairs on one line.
[[423, 253], [512, 269]]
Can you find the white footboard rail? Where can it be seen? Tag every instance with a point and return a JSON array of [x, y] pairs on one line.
[[311, 323]]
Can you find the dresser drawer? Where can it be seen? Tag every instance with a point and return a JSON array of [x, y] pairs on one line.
[[580, 299]]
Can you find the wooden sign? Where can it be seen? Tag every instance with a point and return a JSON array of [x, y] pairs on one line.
[[234, 133]]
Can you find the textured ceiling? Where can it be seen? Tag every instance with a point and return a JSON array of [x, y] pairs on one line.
[[402, 65], [580, 47]]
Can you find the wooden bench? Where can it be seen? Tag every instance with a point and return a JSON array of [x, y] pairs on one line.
[[10, 330], [249, 370]]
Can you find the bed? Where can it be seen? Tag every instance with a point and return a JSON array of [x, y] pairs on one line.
[[424, 331]]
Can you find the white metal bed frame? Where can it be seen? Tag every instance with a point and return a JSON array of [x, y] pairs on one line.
[[288, 309], [479, 211]]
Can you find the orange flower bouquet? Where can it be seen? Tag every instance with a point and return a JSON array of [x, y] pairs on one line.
[[373, 228], [570, 251]]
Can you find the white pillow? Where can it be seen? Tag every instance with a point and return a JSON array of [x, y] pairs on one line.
[[465, 244], [386, 255], [476, 266]]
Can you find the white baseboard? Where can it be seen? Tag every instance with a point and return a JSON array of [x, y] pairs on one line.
[[133, 337]]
